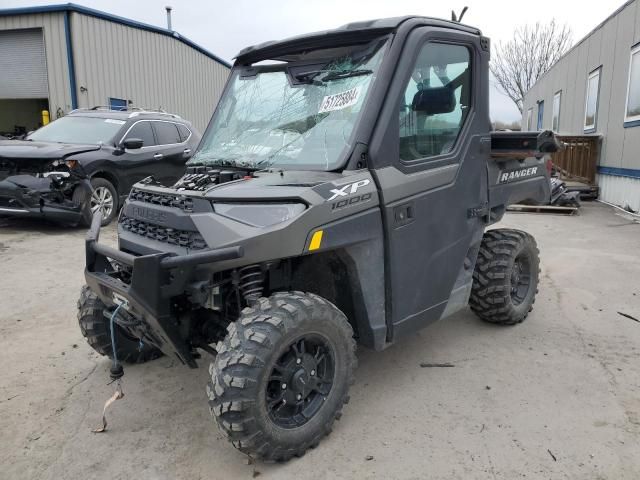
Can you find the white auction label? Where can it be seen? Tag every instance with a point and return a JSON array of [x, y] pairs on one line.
[[340, 100]]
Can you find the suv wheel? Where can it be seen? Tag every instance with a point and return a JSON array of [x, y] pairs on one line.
[[282, 375], [104, 200]]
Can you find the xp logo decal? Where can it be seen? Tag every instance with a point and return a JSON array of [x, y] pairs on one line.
[[347, 195], [348, 189]]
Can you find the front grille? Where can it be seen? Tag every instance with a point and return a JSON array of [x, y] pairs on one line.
[[182, 238], [165, 199]]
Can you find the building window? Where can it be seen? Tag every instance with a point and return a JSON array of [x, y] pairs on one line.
[[529, 118], [540, 113], [591, 109], [555, 123], [633, 87], [117, 104]]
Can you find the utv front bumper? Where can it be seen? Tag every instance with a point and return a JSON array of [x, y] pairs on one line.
[[154, 281], [29, 196]]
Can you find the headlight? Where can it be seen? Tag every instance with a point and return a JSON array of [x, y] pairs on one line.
[[259, 214]]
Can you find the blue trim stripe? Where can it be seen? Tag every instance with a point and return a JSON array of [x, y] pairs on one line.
[[620, 172], [632, 123], [70, 63], [72, 7]]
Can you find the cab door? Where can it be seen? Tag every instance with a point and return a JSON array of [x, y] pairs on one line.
[[431, 171]]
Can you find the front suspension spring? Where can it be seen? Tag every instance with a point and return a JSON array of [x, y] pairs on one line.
[[251, 283]]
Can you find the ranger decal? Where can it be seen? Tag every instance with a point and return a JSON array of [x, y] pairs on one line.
[[518, 174]]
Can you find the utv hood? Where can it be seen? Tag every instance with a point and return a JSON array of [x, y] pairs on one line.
[[274, 185]]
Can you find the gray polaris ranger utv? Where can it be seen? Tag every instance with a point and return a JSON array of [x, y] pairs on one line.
[[339, 196]]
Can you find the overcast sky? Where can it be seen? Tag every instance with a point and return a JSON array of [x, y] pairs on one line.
[[224, 27]]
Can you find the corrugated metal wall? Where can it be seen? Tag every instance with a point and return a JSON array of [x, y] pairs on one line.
[[608, 48], [152, 70], [52, 25], [621, 191]]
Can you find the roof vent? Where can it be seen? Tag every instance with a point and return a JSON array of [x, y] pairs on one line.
[[168, 9]]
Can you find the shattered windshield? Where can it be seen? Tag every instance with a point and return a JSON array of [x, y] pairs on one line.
[[297, 115]]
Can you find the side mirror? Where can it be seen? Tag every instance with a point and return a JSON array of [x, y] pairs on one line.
[[132, 143], [432, 101]]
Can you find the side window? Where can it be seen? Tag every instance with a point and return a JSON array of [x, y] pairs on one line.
[[119, 104], [591, 109], [555, 123], [143, 131], [436, 101], [167, 133], [540, 114], [184, 132], [633, 89]]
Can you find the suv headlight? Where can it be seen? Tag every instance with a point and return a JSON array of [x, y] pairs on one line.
[[259, 214]]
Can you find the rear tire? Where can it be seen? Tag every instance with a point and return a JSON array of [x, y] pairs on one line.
[[282, 375], [96, 329], [505, 279]]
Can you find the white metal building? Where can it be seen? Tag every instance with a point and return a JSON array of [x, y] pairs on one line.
[[595, 89], [61, 57]]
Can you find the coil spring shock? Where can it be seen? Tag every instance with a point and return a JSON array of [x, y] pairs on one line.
[[251, 283]]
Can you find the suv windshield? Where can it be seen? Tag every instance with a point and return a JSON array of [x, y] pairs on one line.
[[297, 115], [80, 129]]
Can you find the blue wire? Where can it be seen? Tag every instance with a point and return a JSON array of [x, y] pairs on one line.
[[113, 337]]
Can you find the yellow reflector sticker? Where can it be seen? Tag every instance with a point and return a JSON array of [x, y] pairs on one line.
[[316, 240]]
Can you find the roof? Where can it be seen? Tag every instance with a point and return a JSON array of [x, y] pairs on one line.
[[350, 32], [72, 7]]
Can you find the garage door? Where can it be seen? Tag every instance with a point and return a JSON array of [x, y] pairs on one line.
[[23, 68]]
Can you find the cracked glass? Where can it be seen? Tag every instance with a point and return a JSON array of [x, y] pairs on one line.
[[297, 114]]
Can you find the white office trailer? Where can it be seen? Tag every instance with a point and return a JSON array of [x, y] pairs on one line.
[[595, 90]]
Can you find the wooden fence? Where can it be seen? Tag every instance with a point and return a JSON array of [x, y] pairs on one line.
[[579, 158]]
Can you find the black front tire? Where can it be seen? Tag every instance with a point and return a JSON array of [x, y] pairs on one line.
[[96, 329], [242, 374], [505, 279]]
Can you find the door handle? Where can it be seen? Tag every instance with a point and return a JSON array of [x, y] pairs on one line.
[[403, 214], [158, 156], [187, 151]]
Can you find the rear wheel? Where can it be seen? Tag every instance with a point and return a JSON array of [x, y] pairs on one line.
[[104, 200], [96, 329], [505, 279], [282, 375]]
